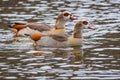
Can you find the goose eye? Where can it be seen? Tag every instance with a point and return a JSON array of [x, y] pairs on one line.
[[66, 14], [85, 22]]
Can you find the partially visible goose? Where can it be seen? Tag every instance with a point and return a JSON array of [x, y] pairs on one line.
[[58, 40], [22, 28]]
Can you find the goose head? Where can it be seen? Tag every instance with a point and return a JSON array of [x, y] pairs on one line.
[[68, 16], [79, 26], [62, 18], [83, 23]]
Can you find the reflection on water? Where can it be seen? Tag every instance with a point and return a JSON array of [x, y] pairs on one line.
[[98, 58]]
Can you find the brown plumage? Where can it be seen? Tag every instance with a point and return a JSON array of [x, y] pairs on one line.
[[39, 26], [36, 36], [19, 26]]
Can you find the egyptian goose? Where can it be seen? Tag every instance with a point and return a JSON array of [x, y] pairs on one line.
[[58, 40], [29, 28]]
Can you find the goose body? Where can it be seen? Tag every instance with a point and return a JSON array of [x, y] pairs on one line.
[[58, 40], [63, 17], [50, 42]]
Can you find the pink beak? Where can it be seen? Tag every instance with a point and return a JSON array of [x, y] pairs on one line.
[[73, 18], [90, 27]]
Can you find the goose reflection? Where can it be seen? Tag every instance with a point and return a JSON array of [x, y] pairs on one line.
[[70, 55]]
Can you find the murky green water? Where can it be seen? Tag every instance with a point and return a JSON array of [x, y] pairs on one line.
[[98, 59]]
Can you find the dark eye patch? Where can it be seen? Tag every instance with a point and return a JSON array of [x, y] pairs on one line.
[[85, 22], [66, 14]]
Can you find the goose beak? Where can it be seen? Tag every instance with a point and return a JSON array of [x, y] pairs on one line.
[[91, 27], [72, 18]]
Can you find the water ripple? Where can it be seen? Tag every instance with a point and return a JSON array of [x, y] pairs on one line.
[[97, 59]]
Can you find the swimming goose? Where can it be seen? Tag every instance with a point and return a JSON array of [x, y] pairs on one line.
[[29, 28], [58, 40]]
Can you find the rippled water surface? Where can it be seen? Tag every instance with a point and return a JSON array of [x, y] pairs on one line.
[[98, 59]]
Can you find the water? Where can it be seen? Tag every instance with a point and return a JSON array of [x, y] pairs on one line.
[[98, 59]]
